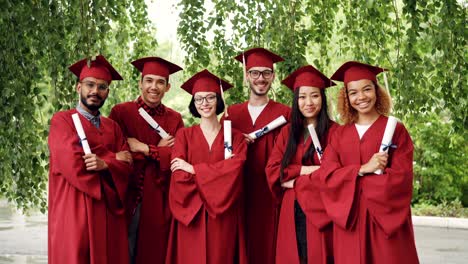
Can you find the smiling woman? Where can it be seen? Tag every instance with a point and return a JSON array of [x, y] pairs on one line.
[[361, 203], [205, 187]]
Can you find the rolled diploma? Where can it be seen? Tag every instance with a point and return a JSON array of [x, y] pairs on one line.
[[81, 133], [387, 137], [315, 140], [152, 123], [271, 126], [227, 139]]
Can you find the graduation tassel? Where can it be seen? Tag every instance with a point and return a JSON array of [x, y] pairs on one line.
[[386, 86], [224, 101], [244, 67], [226, 127]]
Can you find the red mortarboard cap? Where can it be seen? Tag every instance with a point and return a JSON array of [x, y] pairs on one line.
[[258, 57], [156, 66], [353, 71], [307, 76], [99, 68], [205, 81]]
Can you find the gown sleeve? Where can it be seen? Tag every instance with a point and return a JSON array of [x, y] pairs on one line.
[[273, 167], [339, 184], [220, 183], [389, 194]]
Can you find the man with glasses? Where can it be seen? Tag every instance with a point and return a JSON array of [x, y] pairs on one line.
[[261, 211], [86, 218], [148, 212]]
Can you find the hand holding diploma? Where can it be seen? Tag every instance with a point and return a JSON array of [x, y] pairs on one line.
[[378, 161], [271, 126], [153, 123]]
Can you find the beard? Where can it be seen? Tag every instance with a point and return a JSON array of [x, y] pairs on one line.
[[93, 106], [252, 88]]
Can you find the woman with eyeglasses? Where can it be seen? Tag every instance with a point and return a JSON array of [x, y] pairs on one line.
[[368, 193], [305, 231], [204, 194]]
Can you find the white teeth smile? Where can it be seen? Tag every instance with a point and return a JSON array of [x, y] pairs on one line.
[[363, 105]]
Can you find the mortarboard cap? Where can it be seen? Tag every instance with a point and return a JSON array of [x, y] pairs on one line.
[[353, 71], [307, 76], [99, 68], [156, 66], [205, 81], [258, 57]]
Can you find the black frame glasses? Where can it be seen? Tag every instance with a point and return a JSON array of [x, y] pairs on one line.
[[209, 99], [255, 74], [100, 86]]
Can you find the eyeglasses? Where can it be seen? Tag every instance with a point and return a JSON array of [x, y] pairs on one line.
[[208, 98], [267, 74], [91, 85]]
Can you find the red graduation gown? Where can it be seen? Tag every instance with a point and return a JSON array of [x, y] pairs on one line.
[[261, 211], [307, 192], [371, 213], [155, 216], [86, 214], [208, 225]]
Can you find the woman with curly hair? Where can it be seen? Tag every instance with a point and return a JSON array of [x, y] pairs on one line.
[[371, 211], [305, 232]]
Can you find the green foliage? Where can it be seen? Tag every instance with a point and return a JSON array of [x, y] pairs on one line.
[[440, 160], [443, 209], [40, 39], [422, 43]]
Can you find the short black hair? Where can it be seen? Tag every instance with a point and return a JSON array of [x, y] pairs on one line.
[[219, 106], [167, 79]]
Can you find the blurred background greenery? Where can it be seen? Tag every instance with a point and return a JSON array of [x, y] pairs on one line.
[[423, 44]]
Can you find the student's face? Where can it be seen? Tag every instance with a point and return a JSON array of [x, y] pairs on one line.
[[205, 102], [260, 84], [362, 96], [93, 92], [153, 87], [309, 101]]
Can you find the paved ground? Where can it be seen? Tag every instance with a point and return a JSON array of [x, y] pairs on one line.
[[23, 240]]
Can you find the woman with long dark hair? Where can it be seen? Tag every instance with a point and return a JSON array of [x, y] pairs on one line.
[[205, 191], [368, 193], [292, 173]]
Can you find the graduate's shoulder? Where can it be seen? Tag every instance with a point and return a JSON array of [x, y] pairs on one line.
[[186, 131], [106, 121], [124, 106], [172, 112], [333, 127], [64, 115], [337, 129], [280, 106], [237, 107]]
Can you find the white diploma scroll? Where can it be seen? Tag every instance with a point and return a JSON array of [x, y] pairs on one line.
[[271, 126], [227, 139], [81, 133], [153, 123], [387, 137], [316, 141]]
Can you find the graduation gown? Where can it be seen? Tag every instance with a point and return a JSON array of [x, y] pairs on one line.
[[208, 225], [155, 215], [261, 211], [86, 213], [371, 213], [306, 191]]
